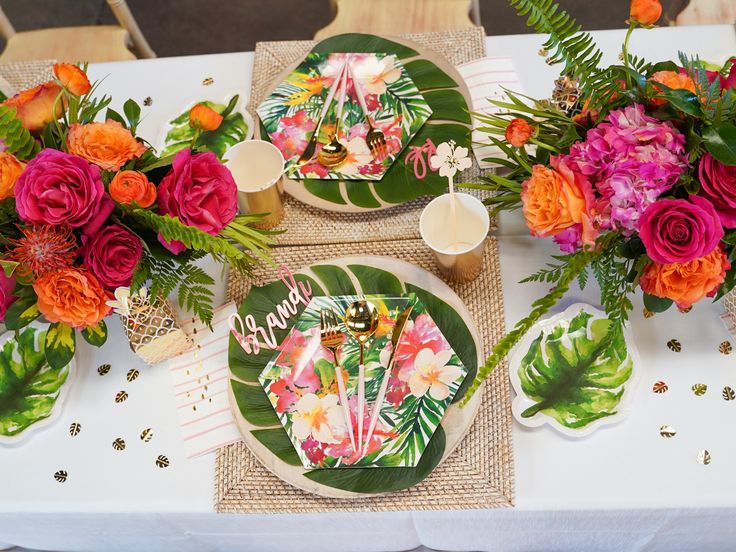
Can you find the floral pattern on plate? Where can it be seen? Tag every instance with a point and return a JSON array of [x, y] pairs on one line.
[[395, 105], [301, 385]]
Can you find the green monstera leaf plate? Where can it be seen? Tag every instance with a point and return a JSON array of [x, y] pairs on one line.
[[445, 94], [31, 392], [258, 421], [574, 371]]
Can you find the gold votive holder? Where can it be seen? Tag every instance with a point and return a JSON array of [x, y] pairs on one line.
[[456, 234], [257, 167]]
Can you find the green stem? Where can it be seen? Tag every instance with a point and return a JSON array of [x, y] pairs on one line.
[[543, 145], [632, 26]]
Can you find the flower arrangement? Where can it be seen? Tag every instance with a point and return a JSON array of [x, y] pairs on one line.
[[632, 172], [87, 207]]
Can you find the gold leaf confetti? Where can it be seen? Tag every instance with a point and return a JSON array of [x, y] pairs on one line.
[[162, 461], [147, 435], [725, 348], [667, 431], [132, 374], [699, 389], [674, 345], [61, 476], [103, 369], [74, 429], [208, 81], [122, 396], [148, 101], [660, 387], [704, 457], [728, 394], [648, 313], [543, 52], [118, 444]]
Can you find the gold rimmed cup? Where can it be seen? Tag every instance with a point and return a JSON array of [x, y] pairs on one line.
[[457, 241], [257, 167]]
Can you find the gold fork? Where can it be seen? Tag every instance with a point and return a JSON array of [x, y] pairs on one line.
[[375, 139], [331, 338]]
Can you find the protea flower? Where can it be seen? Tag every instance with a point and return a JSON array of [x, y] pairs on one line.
[[43, 249]]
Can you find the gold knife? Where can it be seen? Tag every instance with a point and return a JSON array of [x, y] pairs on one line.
[[395, 338]]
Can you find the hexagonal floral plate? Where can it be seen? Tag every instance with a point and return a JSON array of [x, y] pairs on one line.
[[396, 106], [301, 386]]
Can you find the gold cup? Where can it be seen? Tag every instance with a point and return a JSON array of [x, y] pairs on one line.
[[456, 235], [258, 168]]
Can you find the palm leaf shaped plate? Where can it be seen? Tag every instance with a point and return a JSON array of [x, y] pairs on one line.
[[254, 411], [574, 371], [426, 98]]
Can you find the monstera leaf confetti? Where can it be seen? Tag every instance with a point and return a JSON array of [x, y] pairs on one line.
[[576, 372], [29, 387]]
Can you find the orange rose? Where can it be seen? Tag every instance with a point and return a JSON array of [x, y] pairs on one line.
[[674, 80], [518, 132], [204, 118], [551, 203], [686, 283], [72, 78], [10, 169], [645, 12], [71, 296], [108, 145], [128, 187], [35, 106]]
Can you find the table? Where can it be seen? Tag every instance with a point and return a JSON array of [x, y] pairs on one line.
[[624, 488]]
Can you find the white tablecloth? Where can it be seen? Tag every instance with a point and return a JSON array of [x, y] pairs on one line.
[[623, 488]]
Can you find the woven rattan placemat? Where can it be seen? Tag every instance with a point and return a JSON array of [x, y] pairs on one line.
[[478, 474]]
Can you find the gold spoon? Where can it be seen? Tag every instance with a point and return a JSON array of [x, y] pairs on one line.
[[334, 153], [361, 320]]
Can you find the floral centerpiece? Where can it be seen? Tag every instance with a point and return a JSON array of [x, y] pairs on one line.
[[88, 208], [630, 169]]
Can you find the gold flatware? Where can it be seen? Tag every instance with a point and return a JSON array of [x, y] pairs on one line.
[[361, 320], [395, 338], [334, 153], [331, 338], [375, 138], [308, 152]]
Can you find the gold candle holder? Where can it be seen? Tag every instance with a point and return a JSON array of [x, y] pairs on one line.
[[258, 167], [456, 235]]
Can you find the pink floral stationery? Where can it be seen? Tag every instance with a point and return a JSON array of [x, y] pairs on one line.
[[301, 384]]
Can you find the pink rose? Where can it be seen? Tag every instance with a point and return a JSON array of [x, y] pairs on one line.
[[680, 230], [112, 255], [200, 191], [58, 188], [718, 185], [6, 293]]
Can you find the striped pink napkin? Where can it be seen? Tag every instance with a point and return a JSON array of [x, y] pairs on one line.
[[486, 78], [201, 380]]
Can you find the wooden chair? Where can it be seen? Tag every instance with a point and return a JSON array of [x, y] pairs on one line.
[[393, 17], [75, 44], [701, 12]]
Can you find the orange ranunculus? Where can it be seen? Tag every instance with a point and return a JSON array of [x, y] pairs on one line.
[[10, 169], [645, 12], [518, 132], [204, 118], [128, 187], [108, 145], [35, 106], [71, 296], [551, 203], [72, 78], [686, 283], [672, 79]]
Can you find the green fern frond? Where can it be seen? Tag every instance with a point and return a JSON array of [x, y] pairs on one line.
[[17, 139]]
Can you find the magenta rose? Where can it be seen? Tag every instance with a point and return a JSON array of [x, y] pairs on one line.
[[200, 191], [59, 188], [718, 185], [6, 293], [112, 255], [680, 230]]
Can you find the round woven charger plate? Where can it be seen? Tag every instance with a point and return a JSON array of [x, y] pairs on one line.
[[456, 422], [297, 189]]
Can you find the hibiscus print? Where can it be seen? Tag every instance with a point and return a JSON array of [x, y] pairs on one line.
[[319, 418], [420, 333], [292, 134], [433, 374]]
